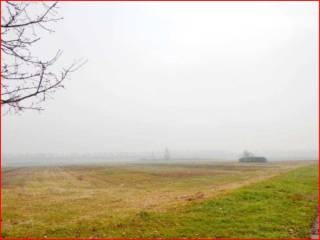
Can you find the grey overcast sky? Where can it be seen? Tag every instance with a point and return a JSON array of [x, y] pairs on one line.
[[187, 75]]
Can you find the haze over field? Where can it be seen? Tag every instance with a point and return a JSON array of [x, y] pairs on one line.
[[207, 77], [180, 120]]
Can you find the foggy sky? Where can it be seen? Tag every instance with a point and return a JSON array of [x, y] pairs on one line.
[[184, 75]]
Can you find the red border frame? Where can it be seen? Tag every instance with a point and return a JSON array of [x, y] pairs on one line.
[[172, 238]]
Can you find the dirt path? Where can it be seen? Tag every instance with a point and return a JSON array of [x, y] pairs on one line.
[[315, 230]]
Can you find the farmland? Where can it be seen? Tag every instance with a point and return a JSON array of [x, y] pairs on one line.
[[276, 199]]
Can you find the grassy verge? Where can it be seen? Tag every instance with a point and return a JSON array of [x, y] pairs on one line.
[[282, 207]]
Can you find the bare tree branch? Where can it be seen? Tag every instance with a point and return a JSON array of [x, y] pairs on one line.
[[26, 80]]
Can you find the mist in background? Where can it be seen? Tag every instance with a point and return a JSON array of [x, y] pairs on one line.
[[203, 79]]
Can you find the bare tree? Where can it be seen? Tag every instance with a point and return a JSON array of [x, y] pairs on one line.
[[27, 80], [247, 154]]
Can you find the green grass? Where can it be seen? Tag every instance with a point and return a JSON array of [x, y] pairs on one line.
[[147, 201], [283, 207]]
